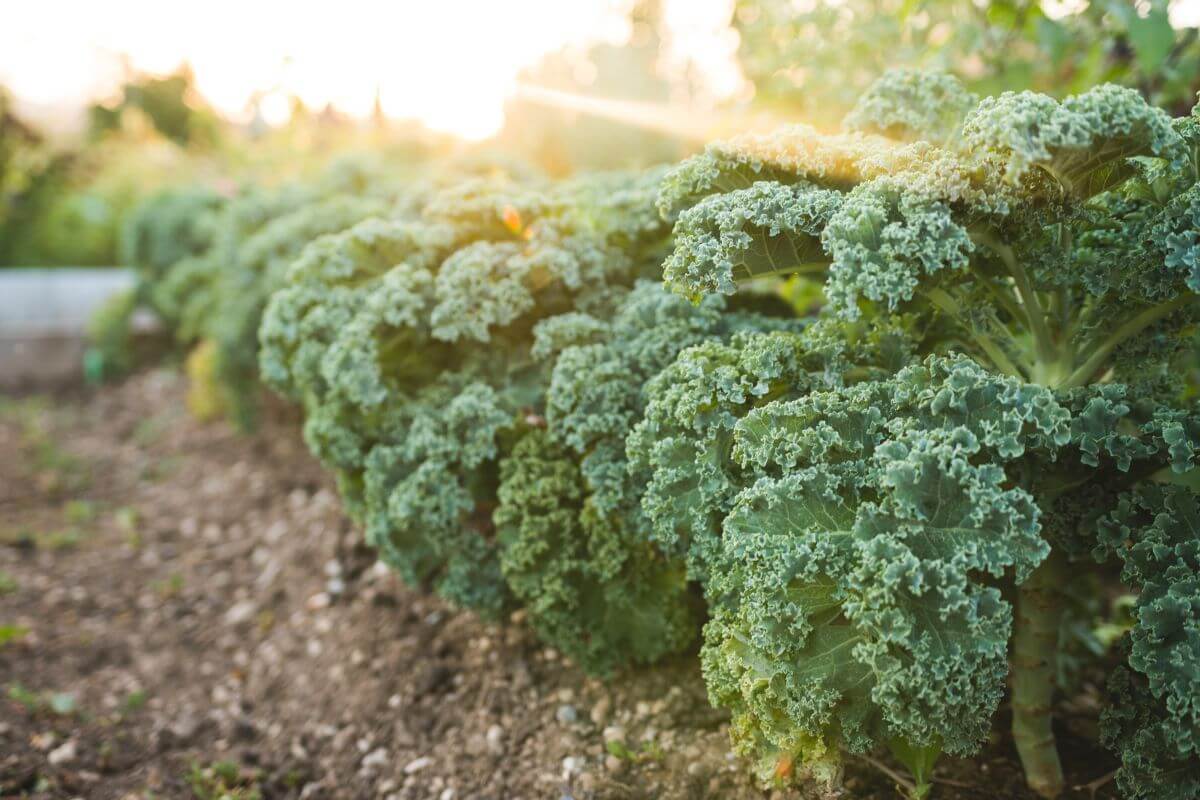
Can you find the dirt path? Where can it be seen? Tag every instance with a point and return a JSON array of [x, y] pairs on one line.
[[184, 612]]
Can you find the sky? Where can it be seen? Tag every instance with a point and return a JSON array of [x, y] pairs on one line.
[[448, 63]]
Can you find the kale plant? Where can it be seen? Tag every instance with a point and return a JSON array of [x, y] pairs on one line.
[[887, 528], [423, 349], [206, 264]]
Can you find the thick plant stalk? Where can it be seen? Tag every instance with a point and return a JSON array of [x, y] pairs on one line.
[[1035, 645]]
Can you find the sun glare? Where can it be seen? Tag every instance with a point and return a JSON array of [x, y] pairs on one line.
[[449, 64]]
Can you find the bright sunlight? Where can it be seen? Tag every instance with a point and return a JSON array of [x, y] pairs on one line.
[[450, 64]]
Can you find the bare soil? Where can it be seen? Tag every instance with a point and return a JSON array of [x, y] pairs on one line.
[[186, 613]]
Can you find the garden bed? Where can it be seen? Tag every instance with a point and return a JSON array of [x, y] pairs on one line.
[[188, 611]]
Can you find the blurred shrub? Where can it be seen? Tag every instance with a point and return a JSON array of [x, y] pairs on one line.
[[812, 58], [204, 396], [110, 333]]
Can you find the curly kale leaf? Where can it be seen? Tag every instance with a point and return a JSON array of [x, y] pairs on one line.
[[860, 618], [912, 105], [1178, 230], [885, 239], [168, 227], [1136, 728], [187, 295], [489, 285], [1155, 530], [1084, 143], [341, 291], [681, 451], [208, 264], [593, 586], [243, 286], [414, 344], [621, 208], [427, 501], [576, 549], [765, 229], [791, 154], [856, 573], [1080, 262], [596, 393]]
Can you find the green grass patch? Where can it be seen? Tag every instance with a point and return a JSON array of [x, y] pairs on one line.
[[59, 703], [647, 751], [65, 538], [24, 538], [54, 468], [168, 587], [222, 780], [12, 633], [134, 702], [79, 512]]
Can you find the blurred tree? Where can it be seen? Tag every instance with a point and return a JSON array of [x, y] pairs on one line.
[[813, 57], [169, 104], [562, 141], [16, 137], [62, 202], [31, 173]]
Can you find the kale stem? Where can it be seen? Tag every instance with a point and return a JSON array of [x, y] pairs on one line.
[[942, 299], [1029, 298], [1035, 646], [1065, 319], [1003, 294], [909, 787], [919, 761], [1099, 351]]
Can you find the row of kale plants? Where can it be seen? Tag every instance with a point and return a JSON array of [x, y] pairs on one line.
[[884, 418]]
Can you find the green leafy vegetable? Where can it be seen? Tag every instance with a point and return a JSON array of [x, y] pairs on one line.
[[885, 534]]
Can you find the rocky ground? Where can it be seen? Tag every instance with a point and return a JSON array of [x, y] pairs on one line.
[[185, 612]]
